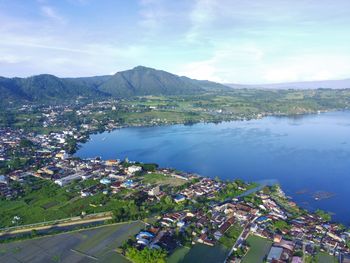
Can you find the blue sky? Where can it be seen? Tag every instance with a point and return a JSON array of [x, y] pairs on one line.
[[255, 41]]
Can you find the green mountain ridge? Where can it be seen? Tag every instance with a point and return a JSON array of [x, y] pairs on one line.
[[139, 81]]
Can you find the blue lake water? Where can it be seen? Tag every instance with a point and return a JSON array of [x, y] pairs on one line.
[[305, 154]]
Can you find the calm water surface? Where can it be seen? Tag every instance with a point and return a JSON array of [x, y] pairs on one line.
[[305, 154]]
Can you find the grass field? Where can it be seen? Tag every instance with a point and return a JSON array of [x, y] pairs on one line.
[[161, 179], [81, 246], [201, 253], [259, 248], [178, 255], [231, 235]]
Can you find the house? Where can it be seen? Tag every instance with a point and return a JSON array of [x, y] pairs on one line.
[[277, 238], [274, 254], [19, 176], [180, 224], [3, 179], [62, 155], [144, 235], [128, 184], [112, 162], [115, 186], [154, 191], [143, 241], [105, 181], [297, 260], [118, 177], [133, 169], [66, 180], [179, 198]]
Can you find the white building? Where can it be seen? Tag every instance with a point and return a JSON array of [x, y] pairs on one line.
[[66, 180], [133, 169]]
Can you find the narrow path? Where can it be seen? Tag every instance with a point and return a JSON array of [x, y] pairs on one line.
[[30, 228]]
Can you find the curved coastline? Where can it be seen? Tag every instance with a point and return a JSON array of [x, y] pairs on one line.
[[298, 198]]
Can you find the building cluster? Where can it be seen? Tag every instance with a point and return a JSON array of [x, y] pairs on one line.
[[206, 221], [301, 234]]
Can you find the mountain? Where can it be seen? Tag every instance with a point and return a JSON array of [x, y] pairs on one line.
[[147, 81], [46, 88], [138, 81], [323, 84]]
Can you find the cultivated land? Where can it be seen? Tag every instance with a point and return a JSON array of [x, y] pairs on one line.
[[259, 247], [202, 253], [178, 255], [80, 246]]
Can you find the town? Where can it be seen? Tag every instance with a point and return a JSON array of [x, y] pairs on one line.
[[186, 209]]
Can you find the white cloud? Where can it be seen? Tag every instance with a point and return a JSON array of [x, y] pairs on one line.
[[51, 13], [203, 13], [250, 64], [152, 14], [226, 41], [228, 62], [308, 67], [12, 59]]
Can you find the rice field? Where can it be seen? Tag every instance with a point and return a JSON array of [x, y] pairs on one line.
[[90, 245]]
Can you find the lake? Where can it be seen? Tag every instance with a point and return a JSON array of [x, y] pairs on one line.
[[308, 155]]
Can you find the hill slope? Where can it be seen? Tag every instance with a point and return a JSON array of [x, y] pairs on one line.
[[147, 81], [138, 81]]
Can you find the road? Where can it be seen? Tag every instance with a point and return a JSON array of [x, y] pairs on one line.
[[240, 239], [70, 222]]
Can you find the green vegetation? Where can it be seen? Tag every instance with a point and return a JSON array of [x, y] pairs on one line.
[[146, 255], [209, 106], [135, 82], [161, 179], [324, 215], [321, 257], [259, 247], [37, 203], [100, 242], [231, 236], [280, 225], [178, 255], [42, 200]]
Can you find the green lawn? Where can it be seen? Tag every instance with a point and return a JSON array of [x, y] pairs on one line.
[[231, 235], [259, 248], [161, 179]]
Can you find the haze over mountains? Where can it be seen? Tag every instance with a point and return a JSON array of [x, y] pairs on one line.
[[139, 81], [323, 84]]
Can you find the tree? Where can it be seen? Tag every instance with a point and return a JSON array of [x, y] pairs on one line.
[[146, 255], [324, 215], [280, 225], [25, 143]]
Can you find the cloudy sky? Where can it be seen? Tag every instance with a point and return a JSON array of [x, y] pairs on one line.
[[236, 41]]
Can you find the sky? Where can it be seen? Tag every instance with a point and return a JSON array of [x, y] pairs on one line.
[[228, 41]]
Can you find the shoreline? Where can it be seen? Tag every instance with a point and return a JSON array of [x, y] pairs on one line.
[[292, 198]]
